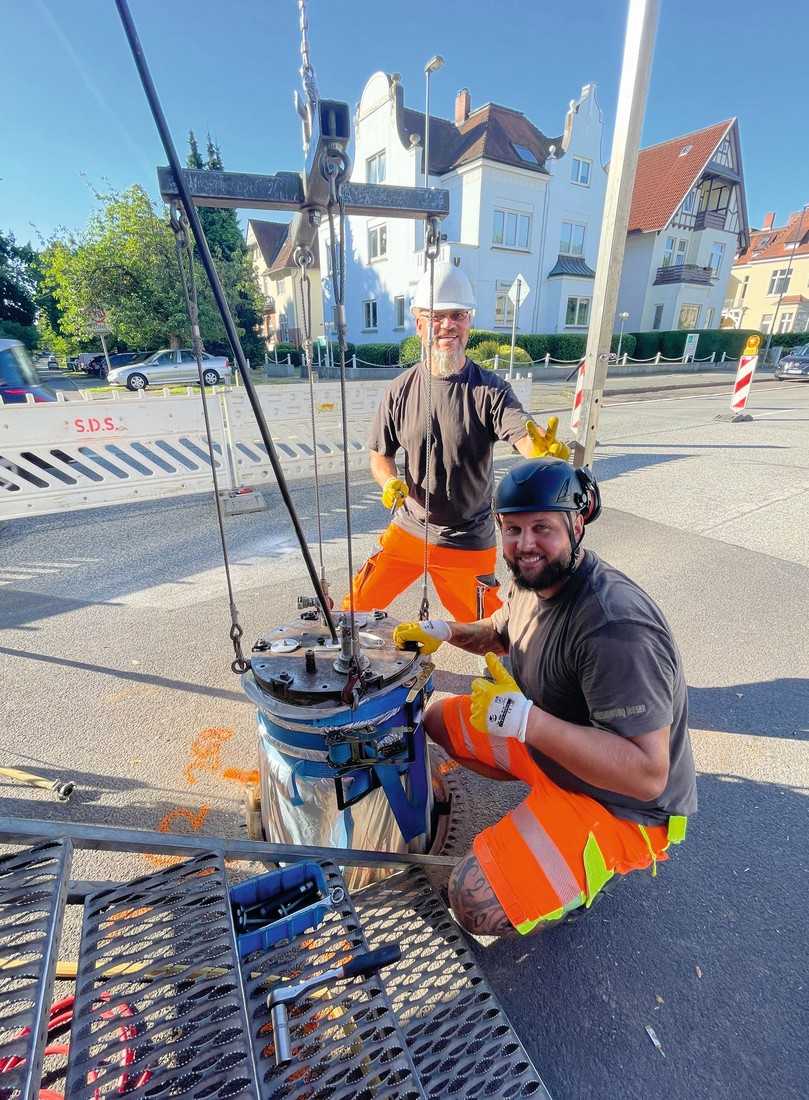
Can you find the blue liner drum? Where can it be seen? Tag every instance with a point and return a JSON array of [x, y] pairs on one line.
[[342, 764]]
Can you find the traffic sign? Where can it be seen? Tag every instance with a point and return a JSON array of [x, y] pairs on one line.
[[98, 321], [519, 290]]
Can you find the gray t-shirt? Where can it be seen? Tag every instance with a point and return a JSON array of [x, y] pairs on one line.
[[600, 653], [471, 410]]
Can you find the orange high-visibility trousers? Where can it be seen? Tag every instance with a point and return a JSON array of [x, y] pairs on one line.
[[555, 851], [400, 561]]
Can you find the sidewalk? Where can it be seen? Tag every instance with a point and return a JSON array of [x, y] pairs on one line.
[[638, 385]]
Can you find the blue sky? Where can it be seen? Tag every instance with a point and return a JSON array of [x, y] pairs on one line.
[[78, 119]]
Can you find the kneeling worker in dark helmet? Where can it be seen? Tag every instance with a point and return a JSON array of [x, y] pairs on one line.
[[594, 719]]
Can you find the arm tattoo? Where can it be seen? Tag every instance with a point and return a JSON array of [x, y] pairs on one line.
[[474, 902], [479, 637]]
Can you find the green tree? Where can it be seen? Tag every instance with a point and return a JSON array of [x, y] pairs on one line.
[[126, 262], [17, 291], [227, 245], [194, 159]]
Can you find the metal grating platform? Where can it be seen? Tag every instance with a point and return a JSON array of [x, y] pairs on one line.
[[159, 1006], [164, 1008], [33, 888], [460, 1039], [347, 1042]]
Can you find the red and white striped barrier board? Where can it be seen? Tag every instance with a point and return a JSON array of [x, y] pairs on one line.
[[578, 399], [744, 375]]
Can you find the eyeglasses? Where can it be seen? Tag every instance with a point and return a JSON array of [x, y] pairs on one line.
[[456, 316]]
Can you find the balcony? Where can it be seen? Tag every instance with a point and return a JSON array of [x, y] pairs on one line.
[[710, 219], [684, 273]]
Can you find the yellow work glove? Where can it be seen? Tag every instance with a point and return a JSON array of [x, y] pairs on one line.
[[547, 444], [429, 633], [394, 492], [499, 707]]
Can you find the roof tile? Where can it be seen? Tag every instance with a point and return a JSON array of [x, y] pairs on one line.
[[666, 174]]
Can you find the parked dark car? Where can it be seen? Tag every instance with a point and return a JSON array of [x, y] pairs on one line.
[[18, 376], [98, 365], [794, 366]]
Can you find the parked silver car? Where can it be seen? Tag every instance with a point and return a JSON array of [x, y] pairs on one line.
[[170, 366]]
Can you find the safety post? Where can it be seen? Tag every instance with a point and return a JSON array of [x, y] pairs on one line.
[[641, 27], [744, 380], [578, 398]]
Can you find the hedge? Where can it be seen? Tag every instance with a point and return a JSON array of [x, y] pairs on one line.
[[410, 349], [383, 355], [787, 339], [671, 343]]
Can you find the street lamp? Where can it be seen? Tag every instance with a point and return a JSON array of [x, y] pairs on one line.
[[432, 66], [784, 283], [623, 318]]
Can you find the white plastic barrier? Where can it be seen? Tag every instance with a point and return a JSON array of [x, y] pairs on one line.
[[85, 454]]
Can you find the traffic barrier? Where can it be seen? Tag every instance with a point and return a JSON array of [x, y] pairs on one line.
[[65, 456], [578, 398], [744, 375]]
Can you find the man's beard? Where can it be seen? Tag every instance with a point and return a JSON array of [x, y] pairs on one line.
[[445, 362], [550, 574]]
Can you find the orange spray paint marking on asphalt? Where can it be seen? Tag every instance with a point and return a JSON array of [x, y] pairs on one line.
[[238, 775], [205, 752], [195, 821]]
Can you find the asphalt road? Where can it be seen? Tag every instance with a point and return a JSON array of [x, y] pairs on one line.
[[114, 655]]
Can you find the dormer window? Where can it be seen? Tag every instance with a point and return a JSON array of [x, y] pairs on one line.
[[686, 149], [524, 153]]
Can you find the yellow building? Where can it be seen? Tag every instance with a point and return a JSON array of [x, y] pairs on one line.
[[769, 281], [270, 249]]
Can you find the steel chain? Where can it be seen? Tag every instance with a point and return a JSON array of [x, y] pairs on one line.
[[185, 255], [432, 245], [304, 259], [336, 167]]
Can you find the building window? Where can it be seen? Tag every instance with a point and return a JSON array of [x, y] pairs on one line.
[[369, 314], [708, 322], [283, 328], [577, 314], [675, 250], [399, 311], [503, 307], [690, 201], [766, 322], [717, 256], [571, 241], [658, 317], [375, 168], [779, 281], [743, 289], [377, 243], [511, 230], [785, 322], [689, 317], [580, 171]]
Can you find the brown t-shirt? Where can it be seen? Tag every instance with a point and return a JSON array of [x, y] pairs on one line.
[[600, 653], [471, 410]]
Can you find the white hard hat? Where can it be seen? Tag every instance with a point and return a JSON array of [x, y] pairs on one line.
[[451, 289]]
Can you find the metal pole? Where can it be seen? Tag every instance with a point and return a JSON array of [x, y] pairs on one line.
[[514, 330], [106, 353], [427, 131], [221, 301], [622, 317], [785, 283], [106, 838], [637, 63]]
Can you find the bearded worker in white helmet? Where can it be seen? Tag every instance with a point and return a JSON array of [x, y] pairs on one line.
[[470, 410]]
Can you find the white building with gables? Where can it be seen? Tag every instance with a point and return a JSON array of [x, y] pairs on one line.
[[520, 203]]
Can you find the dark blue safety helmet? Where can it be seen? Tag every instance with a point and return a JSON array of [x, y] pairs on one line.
[[549, 485]]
